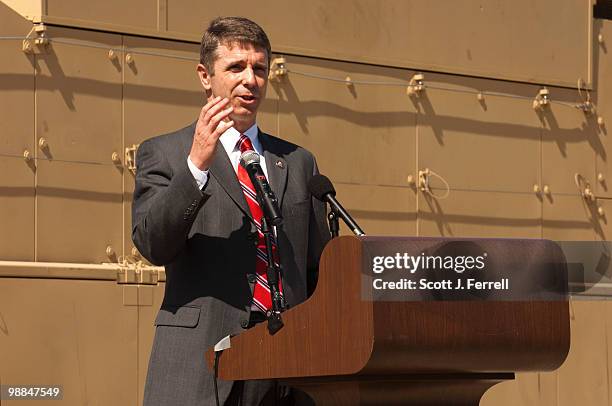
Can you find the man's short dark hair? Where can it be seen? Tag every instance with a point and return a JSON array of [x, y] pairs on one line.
[[229, 31]]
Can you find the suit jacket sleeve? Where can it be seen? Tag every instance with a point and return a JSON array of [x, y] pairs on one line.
[[318, 237], [166, 201]]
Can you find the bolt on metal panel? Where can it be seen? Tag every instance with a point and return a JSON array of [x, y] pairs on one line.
[[79, 212], [78, 97], [360, 133], [570, 143], [476, 143]]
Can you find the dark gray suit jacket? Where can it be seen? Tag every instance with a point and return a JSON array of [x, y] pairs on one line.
[[206, 240]]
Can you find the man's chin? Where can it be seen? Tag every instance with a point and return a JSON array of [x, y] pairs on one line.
[[243, 123], [241, 116]]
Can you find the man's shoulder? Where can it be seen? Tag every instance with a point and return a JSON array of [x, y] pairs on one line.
[[171, 140], [285, 148]]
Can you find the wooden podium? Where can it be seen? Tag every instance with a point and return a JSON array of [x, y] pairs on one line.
[[344, 350]]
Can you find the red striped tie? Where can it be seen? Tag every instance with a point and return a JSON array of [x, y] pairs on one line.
[[261, 292]]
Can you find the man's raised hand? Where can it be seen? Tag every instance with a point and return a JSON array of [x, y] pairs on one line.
[[211, 124]]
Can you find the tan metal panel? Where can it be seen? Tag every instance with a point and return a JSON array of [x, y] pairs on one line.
[[267, 116], [77, 334], [525, 390], [78, 97], [16, 209], [360, 134], [133, 13], [570, 218], [570, 143], [603, 98], [608, 314], [423, 34], [16, 136], [28, 9], [583, 377], [160, 94], [480, 214], [492, 144], [146, 330], [379, 210], [78, 212], [17, 84], [161, 88]]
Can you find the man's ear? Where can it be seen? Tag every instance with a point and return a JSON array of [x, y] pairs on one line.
[[204, 76]]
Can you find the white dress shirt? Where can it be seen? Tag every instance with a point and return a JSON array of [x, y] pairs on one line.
[[229, 139]]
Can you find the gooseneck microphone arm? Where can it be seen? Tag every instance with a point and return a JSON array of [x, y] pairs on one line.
[[271, 217], [332, 220], [275, 321], [348, 220], [321, 188]]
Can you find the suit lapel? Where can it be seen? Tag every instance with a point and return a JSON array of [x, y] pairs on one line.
[[223, 171], [276, 166], [221, 168]]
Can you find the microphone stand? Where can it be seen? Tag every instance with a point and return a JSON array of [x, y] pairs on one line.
[[332, 219], [275, 322]]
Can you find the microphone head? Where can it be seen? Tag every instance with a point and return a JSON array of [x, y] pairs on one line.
[[249, 157], [320, 186]]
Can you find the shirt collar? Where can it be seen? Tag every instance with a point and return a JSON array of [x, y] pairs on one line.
[[231, 136]]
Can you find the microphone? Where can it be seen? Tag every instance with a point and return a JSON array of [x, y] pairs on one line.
[[249, 160], [321, 188]]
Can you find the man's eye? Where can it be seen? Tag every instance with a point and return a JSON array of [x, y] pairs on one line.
[[235, 68]]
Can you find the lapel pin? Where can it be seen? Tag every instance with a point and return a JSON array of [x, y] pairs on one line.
[[280, 164]]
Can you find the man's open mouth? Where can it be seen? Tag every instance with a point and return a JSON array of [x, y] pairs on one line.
[[247, 97]]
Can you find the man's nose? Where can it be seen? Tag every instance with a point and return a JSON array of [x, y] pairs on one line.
[[248, 77]]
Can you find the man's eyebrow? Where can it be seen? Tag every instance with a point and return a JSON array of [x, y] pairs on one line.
[[243, 62], [235, 62]]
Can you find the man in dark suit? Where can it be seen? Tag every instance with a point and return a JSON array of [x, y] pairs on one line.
[[190, 214]]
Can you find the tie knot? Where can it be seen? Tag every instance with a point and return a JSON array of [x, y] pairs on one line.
[[244, 143]]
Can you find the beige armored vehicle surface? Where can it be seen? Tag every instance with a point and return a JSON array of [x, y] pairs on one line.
[[453, 118]]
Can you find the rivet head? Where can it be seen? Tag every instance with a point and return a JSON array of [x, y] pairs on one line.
[[26, 155], [546, 189], [109, 251], [600, 211], [536, 189], [129, 59], [115, 158], [600, 38], [600, 177], [42, 143], [112, 55], [480, 97], [600, 121], [410, 180]]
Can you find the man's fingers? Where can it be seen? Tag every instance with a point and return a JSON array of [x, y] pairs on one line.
[[220, 116], [208, 105], [214, 110], [221, 128]]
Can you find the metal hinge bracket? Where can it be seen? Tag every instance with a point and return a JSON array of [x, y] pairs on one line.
[[130, 157]]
